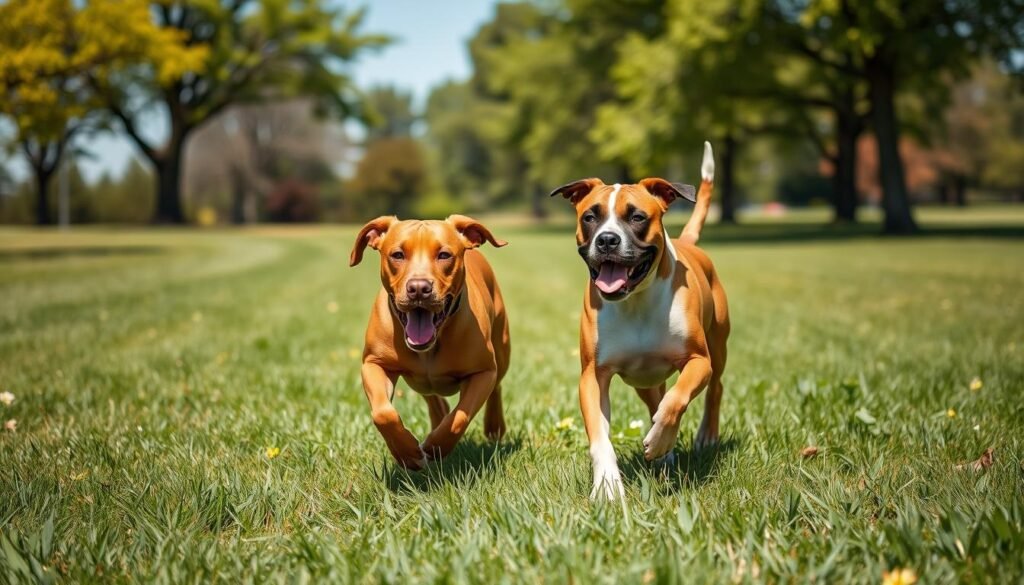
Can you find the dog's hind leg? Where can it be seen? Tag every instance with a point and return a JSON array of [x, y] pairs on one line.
[[651, 397], [438, 408], [494, 416], [707, 434]]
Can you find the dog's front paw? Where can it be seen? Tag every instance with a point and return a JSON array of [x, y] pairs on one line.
[[607, 479], [660, 440], [607, 484]]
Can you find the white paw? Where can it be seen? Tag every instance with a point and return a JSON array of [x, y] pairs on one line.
[[660, 440], [607, 483], [706, 437], [607, 479]]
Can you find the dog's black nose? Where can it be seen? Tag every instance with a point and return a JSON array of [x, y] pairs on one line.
[[608, 241], [419, 288]]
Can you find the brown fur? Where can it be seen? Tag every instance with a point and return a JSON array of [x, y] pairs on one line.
[[701, 356], [470, 355]]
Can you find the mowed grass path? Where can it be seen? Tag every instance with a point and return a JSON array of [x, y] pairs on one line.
[[153, 370]]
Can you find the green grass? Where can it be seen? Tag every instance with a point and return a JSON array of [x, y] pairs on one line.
[[152, 370]]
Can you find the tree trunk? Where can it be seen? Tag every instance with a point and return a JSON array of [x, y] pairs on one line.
[[724, 169], [895, 201], [960, 190], [169, 167], [538, 200], [844, 177], [238, 196], [43, 214], [624, 175]]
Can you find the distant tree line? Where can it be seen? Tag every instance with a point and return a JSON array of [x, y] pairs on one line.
[[626, 89], [70, 67], [804, 100]]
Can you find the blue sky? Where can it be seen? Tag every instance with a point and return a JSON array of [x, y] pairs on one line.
[[430, 47]]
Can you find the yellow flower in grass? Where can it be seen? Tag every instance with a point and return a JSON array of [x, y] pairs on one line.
[[899, 577], [273, 452], [565, 424], [6, 398], [332, 307], [976, 384], [951, 413]]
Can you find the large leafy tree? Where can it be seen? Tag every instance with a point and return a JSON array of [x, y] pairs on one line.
[[390, 178], [692, 82], [900, 45], [49, 49], [390, 113], [259, 50], [551, 69]]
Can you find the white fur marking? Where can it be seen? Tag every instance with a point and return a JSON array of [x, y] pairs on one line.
[[607, 479], [650, 322], [612, 223], [669, 245], [707, 167]]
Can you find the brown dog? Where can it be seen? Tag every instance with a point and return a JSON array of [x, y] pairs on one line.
[[654, 306], [439, 322]]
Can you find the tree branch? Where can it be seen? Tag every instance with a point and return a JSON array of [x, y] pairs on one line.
[[129, 128]]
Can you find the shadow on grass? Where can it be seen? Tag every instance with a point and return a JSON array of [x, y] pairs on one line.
[[472, 460], [53, 253], [692, 468]]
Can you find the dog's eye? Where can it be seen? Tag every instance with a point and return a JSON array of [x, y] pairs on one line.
[[398, 255], [589, 218], [444, 255], [638, 218]]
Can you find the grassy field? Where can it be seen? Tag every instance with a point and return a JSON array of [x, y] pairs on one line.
[[152, 370]]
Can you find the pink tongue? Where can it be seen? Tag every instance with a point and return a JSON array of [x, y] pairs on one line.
[[419, 329], [611, 278]]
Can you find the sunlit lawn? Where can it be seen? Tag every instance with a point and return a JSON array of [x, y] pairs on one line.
[[153, 370]]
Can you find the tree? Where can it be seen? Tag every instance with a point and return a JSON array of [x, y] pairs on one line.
[[390, 113], [259, 50], [698, 79], [48, 50], [550, 68], [389, 178], [900, 44], [250, 148]]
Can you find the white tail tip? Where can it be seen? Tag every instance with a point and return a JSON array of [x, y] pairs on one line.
[[707, 167]]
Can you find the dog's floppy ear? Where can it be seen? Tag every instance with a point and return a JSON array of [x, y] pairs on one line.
[[370, 235], [474, 232], [669, 192], [577, 190]]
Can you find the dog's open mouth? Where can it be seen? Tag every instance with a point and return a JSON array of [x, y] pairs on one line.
[[616, 279], [421, 324]]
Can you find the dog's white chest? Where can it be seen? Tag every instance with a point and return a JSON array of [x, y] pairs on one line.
[[640, 338]]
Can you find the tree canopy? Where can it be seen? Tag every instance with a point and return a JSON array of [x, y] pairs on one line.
[[49, 52], [256, 50]]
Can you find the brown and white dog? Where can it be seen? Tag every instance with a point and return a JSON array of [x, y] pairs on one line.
[[654, 306], [439, 322]]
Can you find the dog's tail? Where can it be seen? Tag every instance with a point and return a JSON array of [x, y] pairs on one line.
[[691, 232]]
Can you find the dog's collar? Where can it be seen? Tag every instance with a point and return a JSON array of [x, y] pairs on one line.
[[457, 302]]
